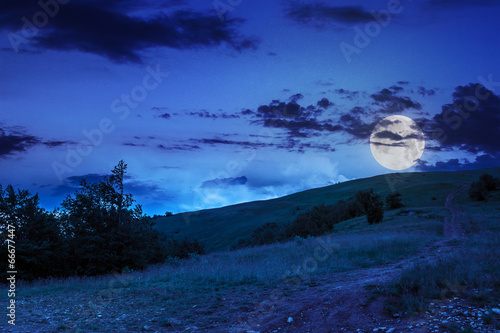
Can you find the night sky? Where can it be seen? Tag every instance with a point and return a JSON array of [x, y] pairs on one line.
[[216, 103]]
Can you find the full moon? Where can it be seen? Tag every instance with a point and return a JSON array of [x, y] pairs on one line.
[[397, 142]]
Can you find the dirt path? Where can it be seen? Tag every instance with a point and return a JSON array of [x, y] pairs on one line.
[[341, 303], [452, 226]]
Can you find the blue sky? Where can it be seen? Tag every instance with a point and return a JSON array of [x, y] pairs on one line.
[[215, 103]]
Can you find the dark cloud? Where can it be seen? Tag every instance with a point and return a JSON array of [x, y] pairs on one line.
[[396, 89], [393, 144], [71, 184], [217, 141], [358, 110], [131, 185], [321, 15], [181, 147], [471, 123], [391, 103], [145, 190], [131, 144], [426, 92], [324, 103], [203, 114], [296, 97], [300, 122], [119, 33], [208, 115], [347, 94], [15, 142], [224, 182], [356, 127], [480, 162], [158, 143], [403, 82], [165, 116], [57, 143], [388, 135], [247, 112], [229, 116]]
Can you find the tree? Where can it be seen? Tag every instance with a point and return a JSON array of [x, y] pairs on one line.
[[106, 231], [393, 201], [372, 205], [37, 236]]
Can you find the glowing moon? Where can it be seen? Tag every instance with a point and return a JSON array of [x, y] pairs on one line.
[[397, 142]]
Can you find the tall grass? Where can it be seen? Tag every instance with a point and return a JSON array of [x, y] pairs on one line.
[[476, 266]]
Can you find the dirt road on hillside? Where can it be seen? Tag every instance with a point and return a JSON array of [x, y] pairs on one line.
[[452, 224], [341, 302]]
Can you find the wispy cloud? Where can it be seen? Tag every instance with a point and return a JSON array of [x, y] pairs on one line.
[[321, 15], [15, 139]]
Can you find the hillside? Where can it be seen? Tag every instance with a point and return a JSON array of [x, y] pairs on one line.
[[220, 228], [430, 267]]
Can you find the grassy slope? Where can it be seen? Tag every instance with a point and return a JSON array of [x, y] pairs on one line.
[[220, 228]]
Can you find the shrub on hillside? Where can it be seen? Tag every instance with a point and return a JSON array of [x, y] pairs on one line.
[[268, 233], [393, 201], [184, 249], [314, 222], [478, 191], [372, 205], [318, 220], [488, 181]]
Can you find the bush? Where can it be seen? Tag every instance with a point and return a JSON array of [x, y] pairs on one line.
[[268, 233], [184, 249], [314, 222], [393, 201], [372, 205], [478, 191], [318, 220], [489, 181]]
